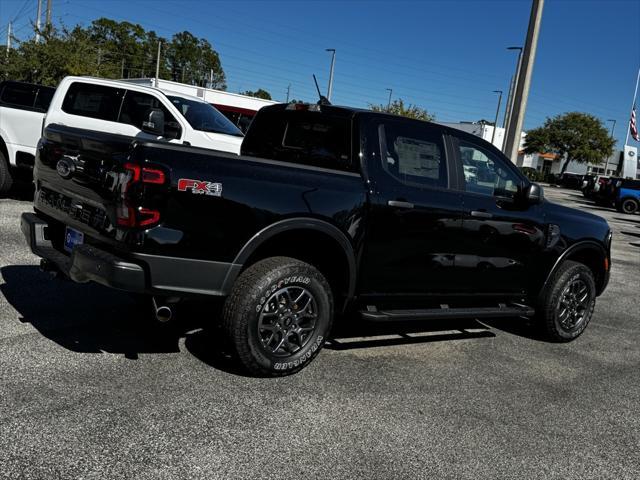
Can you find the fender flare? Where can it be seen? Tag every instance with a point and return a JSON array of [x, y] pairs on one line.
[[576, 247], [291, 224]]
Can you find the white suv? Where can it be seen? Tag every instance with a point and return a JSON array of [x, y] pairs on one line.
[[22, 108], [141, 112]]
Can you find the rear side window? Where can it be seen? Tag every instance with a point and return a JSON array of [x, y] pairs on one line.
[[414, 154], [94, 101], [307, 138], [136, 108], [18, 95], [43, 98]]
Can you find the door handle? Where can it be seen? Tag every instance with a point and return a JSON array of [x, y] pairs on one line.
[[480, 214], [399, 204]]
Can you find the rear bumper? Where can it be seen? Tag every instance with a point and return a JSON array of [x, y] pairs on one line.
[[142, 273]]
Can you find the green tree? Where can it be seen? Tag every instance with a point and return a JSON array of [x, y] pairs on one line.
[[574, 136], [112, 49], [260, 93], [193, 60], [61, 53], [398, 107]]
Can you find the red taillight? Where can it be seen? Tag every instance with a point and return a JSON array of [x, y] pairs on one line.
[[129, 215], [152, 175], [148, 216]]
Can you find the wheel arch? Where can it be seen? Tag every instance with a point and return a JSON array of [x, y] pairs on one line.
[[591, 254], [312, 240], [4, 149]]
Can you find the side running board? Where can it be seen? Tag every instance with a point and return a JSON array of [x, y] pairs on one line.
[[500, 311]]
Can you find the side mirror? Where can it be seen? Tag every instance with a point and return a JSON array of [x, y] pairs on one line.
[[154, 124], [533, 194]]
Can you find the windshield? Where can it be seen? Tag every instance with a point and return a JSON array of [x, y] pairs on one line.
[[202, 116]]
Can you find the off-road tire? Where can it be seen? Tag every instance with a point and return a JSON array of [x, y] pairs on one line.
[[550, 308], [628, 206], [252, 292], [6, 180]]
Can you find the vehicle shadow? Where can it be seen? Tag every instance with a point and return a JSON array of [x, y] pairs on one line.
[[603, 209], [630, 219], [354, 333], [90, 318], [82, 318]]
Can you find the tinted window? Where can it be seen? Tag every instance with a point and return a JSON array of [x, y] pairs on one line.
[[18, 95], [95, 101], [309, 138], [136, 108], [43, 98], [486, 173], [240, 120], [414, 154], [202, 116]]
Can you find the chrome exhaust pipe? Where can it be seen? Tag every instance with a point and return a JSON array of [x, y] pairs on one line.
[[163, 312]]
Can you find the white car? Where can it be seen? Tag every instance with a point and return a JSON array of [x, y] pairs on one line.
[[22, 109], [141, 112]]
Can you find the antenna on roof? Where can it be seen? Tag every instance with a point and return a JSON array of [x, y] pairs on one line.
[[323, 100]]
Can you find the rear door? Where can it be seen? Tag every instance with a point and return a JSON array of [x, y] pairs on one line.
[[23, 118], [502, 237], [415, 220]]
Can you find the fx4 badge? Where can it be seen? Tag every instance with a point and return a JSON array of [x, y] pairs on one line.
[[200, 187]]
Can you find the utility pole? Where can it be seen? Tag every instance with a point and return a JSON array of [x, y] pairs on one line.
[[390, 90], [48, 21], [495, 122], [523, 82], [38, 21], [158, 63], [288, 91], [211, 78], [512, 92], [333, 62], [8, 39]]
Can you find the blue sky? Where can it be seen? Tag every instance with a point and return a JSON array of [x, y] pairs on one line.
[[446, 56]]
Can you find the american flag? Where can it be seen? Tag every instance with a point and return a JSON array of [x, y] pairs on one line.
[[632, 124]]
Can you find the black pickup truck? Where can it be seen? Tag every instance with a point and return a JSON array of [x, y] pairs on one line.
[[329, 212]]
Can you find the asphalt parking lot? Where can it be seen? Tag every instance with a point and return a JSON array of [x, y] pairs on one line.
[[89, 390]]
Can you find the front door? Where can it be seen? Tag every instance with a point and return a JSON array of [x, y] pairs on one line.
[[415, 219], [502, 235]]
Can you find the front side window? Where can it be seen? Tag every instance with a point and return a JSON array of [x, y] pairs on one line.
[[414, 154], [18, 95], [485, 172], [202, 116], [94, 101], [136, 108]]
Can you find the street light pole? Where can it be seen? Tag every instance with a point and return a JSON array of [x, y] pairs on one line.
[[613, 127], [495, 122], [512, 91], [523, 82], [333, 62], [390, 90]]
